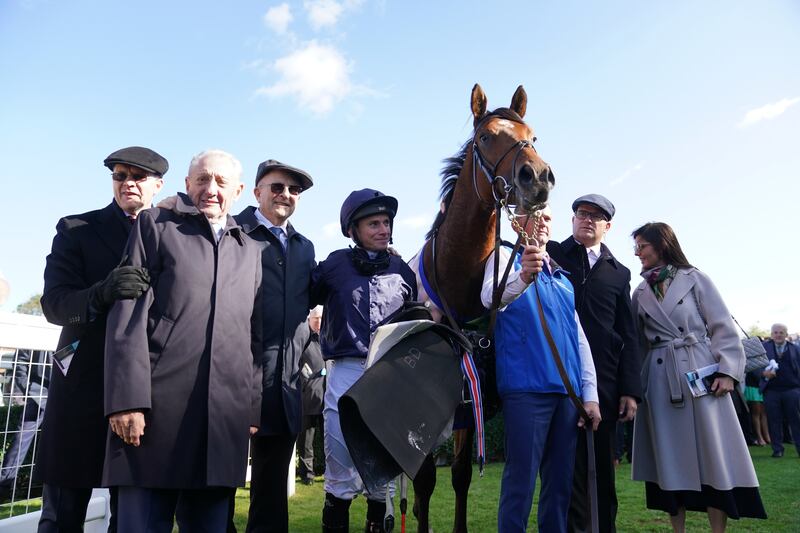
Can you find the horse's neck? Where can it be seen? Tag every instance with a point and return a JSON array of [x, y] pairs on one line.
[[463, 243]]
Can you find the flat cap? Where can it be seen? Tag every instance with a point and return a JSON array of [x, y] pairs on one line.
[[138, 156], [271, 164], [599, 201]]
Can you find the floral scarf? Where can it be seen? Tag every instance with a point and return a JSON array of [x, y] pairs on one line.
[[659, 279]]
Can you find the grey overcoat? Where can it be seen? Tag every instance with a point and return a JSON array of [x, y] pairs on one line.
[[184, 353], [681, 442]]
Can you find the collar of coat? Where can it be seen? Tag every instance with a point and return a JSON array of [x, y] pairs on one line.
[[571, 246], [681, 286], [185, 207], [249, 223]]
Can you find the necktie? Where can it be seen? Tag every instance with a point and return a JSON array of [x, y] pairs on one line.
[[278, 232], [131, 219], [591, 257]]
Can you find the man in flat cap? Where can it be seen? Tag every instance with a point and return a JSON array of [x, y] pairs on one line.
[[182, 381], [287, 258], [82, 280], [602, 300]]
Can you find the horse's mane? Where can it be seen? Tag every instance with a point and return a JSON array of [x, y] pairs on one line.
[[454, 164]]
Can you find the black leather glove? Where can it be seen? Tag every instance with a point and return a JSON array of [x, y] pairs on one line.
[[122, 283]]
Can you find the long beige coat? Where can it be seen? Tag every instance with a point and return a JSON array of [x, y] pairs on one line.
[[681, 442]]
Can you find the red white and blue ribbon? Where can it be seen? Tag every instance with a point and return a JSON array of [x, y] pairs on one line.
[[471, 373]]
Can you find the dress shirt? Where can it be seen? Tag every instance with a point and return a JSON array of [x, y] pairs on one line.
[[282, 235]]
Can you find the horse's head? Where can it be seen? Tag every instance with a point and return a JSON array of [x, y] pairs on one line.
[[502, 150]]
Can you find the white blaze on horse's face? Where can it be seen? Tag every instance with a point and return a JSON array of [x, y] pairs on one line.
[[506, 124]]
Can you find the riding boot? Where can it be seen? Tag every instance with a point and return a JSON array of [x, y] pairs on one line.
[[375, 514], [335, 515]]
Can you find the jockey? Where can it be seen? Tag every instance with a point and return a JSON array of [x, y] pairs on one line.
[[359, 286]]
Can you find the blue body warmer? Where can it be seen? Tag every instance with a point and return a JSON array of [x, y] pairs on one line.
[[524, 361], [355, 303]]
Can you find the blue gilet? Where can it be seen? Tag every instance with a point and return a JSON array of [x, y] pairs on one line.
[[524, 359]]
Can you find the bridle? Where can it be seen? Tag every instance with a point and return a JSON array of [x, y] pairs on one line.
[[489, 170]]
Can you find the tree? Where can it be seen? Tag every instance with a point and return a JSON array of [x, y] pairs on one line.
[[32, 306], [757, 331]]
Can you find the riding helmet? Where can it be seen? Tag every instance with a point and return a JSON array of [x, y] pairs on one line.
[[363, 203]]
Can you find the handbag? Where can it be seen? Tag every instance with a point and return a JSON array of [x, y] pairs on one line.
[[754, 351]]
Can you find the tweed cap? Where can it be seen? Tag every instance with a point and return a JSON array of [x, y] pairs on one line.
[[599, 201], [271, 164], [138, 156]]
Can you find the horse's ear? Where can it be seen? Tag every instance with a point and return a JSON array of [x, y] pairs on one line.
[[478, 103], [519, 102]]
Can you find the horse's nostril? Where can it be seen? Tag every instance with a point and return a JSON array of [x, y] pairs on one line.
[[548, 176], [526, 175]]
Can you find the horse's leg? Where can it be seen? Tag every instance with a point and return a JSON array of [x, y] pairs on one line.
[[424, 484], [462, 475]]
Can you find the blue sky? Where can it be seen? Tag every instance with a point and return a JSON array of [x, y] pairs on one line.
[[683, 112]]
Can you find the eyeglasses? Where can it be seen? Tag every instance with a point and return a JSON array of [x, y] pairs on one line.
[[580, 214], [639, 246], [124, 176], [278, 188]]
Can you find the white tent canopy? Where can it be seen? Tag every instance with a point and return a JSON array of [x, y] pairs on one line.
[[27, 331]]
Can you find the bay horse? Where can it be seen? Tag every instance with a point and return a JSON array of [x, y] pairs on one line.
[[497, 163]]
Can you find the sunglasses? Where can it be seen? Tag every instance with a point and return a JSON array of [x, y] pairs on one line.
[[124, 176], [278, 188]]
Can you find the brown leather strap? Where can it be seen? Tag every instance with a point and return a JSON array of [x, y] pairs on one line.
[[559, 364], [592, 467], [499, 288]]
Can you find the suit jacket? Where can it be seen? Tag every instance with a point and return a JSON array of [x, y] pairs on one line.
[[286, 278], [602, 299], [788, 365], [185, 354], [85, 249]]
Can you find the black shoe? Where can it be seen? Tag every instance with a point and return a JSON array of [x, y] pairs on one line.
[[5, 494], [307, 481], [777, 454]]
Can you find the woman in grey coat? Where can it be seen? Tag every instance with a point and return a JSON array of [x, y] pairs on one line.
[[689, 450]]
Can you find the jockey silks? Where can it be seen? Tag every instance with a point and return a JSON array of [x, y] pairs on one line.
[[359, 302]]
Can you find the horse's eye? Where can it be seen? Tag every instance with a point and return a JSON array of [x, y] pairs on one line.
[[534, 139], [484, 137]]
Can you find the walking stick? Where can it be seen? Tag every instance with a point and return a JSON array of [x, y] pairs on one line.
[[592, 480], [403, 502]]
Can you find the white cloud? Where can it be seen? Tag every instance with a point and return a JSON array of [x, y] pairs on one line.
[[278, 18], [316, 75], [768, 111], [323, 13], [416, 221], [627, 174]]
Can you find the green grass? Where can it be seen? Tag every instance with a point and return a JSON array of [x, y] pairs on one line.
[[19, 507], [780, 492]]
